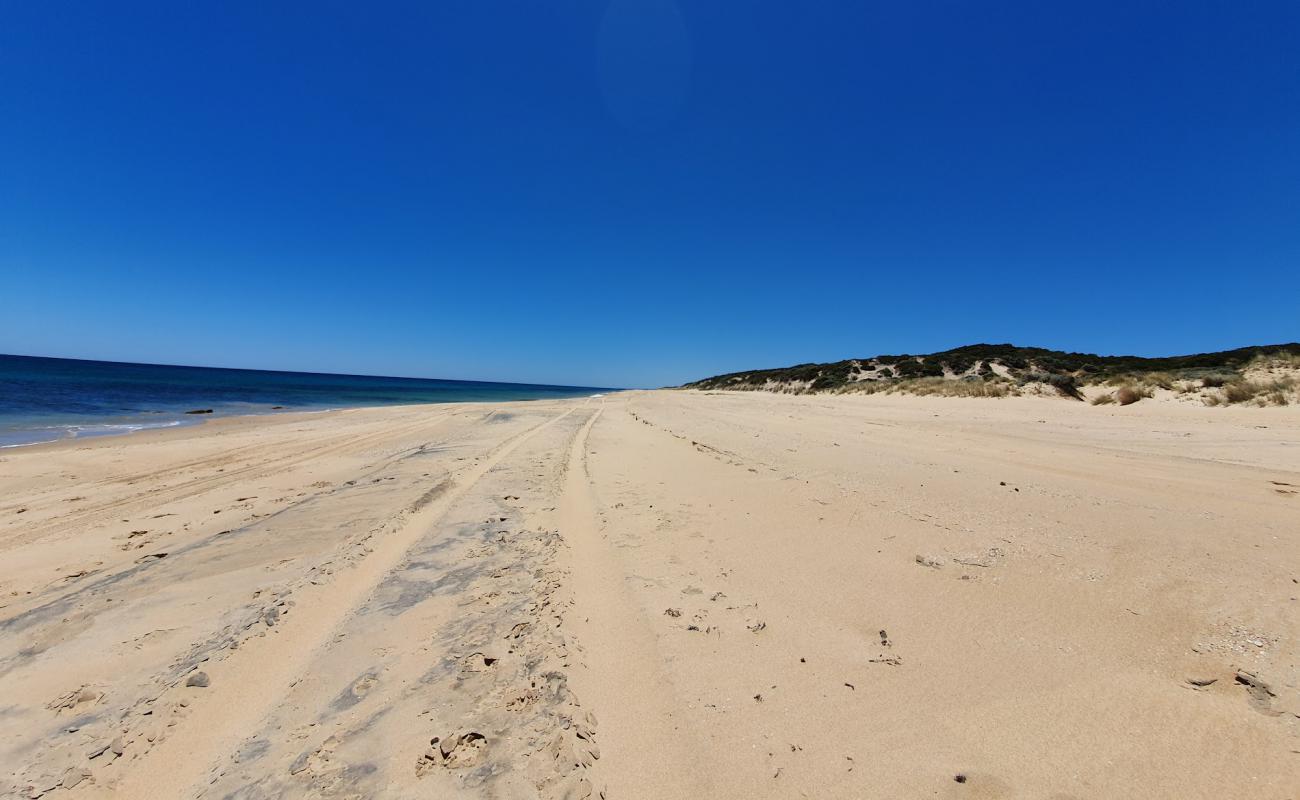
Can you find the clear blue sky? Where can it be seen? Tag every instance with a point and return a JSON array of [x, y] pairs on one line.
[[640, 193]]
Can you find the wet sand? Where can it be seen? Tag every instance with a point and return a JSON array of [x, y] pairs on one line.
[[659, 595]]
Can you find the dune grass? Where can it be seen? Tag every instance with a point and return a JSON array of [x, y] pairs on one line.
[[938, 387], [1262, 392]]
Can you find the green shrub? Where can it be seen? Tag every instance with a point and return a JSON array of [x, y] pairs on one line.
[[1212, 370]]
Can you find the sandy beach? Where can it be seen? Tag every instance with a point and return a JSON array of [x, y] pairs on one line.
[[659, 595]]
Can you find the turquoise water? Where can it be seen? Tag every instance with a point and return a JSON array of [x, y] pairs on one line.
[[46, 399]]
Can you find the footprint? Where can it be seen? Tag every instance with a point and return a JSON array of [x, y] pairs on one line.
[[975, 785], [478, 662], [458, 751], [356, 691], [1261, 694], [74, 700]]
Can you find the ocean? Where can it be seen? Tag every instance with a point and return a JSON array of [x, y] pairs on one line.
[[47, 399]]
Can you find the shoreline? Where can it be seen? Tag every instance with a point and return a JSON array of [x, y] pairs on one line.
[[654, 594], [178, 425], [207, 419], [81, 399]]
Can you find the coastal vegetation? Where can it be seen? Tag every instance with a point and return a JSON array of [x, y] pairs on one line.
[[1259, 375]]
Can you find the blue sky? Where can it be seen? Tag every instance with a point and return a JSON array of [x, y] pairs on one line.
[[639, 193]]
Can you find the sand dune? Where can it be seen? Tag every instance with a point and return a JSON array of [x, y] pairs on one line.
[[659, 595]]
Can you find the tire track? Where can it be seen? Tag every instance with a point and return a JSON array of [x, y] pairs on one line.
[[264, 668], [197, 486], [466, 638], [645, 752]]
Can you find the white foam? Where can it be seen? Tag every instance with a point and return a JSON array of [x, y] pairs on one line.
[[61, 432]]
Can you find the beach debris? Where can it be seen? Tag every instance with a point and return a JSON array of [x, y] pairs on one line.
[[1201, 682], [959, 778], [884, 638], [151, 557], [198, 680], [755, 625], [934, 562], [673, 612]]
